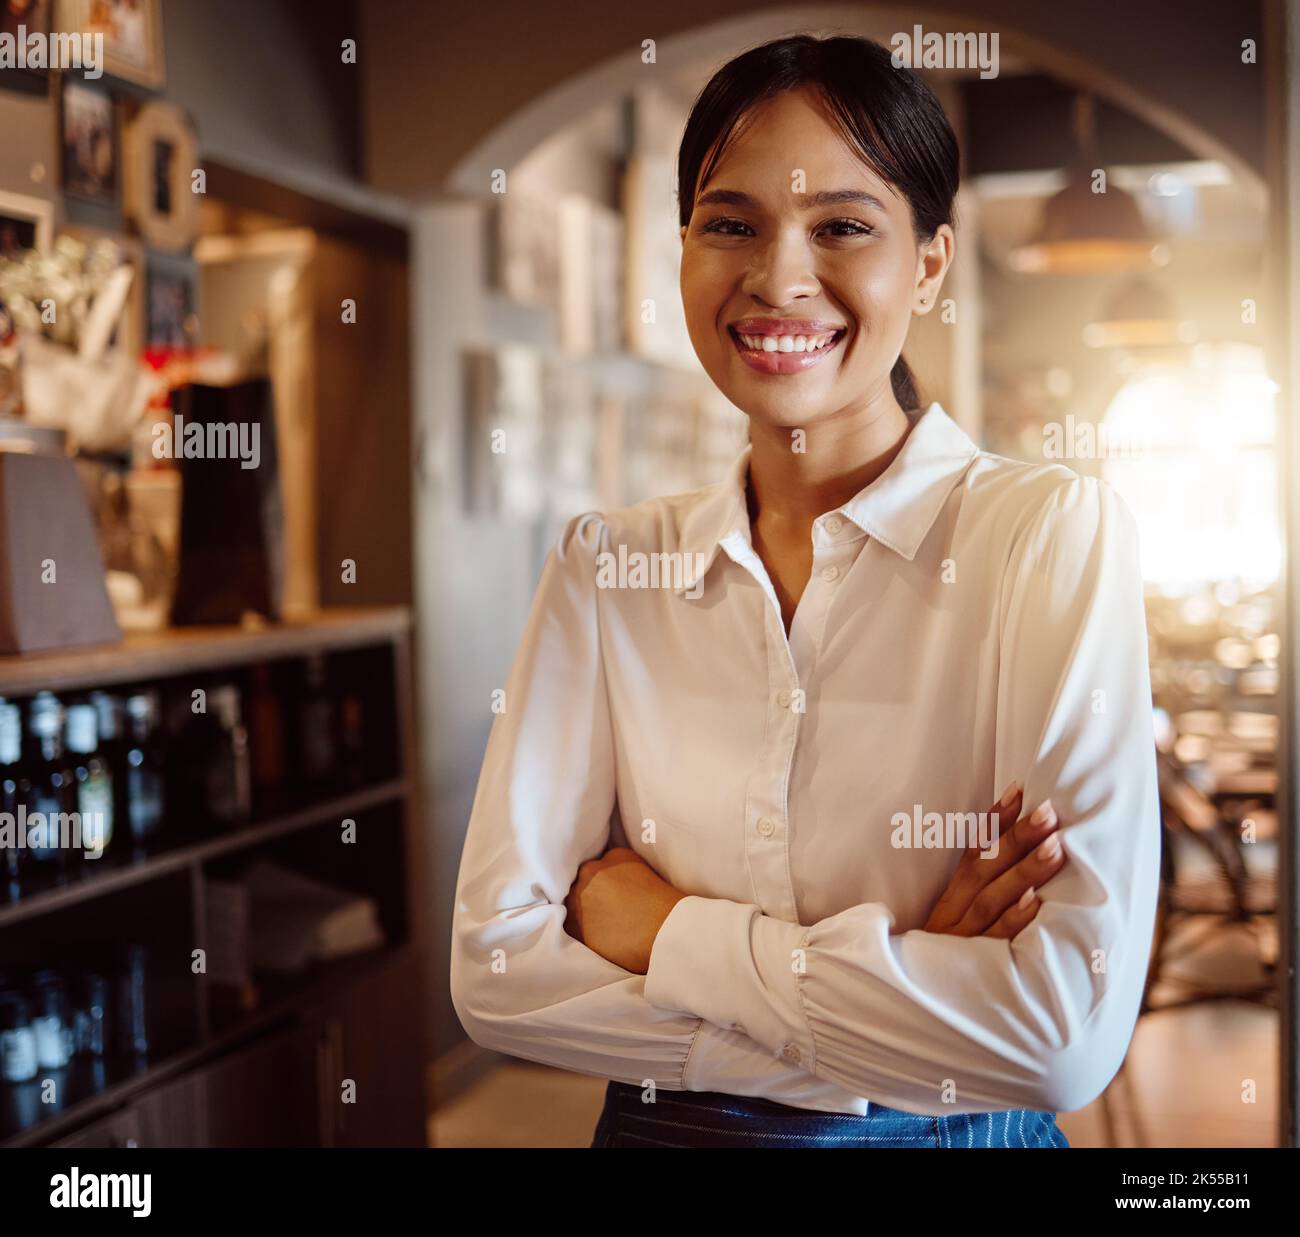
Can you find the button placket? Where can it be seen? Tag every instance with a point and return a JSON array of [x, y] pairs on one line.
[[766, 850]]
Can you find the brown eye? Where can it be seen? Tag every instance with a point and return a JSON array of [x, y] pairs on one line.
[[724, 227], [851, 227]]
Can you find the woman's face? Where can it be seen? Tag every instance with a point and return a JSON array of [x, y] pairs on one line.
[[763, 256]]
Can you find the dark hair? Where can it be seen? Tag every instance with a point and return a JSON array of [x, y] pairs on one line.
[[888, 114]]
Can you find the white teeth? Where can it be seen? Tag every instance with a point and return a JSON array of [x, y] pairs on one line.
[[786, 343]]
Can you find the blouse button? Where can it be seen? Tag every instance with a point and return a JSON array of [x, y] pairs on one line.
[[792, 1054], [834, 524], [767, 826], [783, 699], [830, 574]]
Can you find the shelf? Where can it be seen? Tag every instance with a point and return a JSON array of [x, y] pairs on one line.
[[186, 650], [111, 879], [297, 995]]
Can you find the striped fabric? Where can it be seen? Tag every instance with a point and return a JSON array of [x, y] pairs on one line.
[[709, 1119]]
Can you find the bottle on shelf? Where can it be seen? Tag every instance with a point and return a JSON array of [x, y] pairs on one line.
[[111, 725], [352, 743], [53, 1023], [94, 781], [53, 787], [18, 1057], [209, 781], [132, 1003], [142, 774], [266, 735], [14, 790], [229, 778], [89, 1015], [317, 744]]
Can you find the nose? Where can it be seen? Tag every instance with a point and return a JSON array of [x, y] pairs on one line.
[[781, 270]]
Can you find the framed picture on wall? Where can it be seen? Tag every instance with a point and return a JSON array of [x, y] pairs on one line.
[[25, 223], [171, 302], [502, 432], [653, 317], [526, 249], [89, 142], [24, 17], [161, 157], [132, 30]]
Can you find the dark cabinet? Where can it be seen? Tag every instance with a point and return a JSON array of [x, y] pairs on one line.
[[339, 1075], [366, 1040]]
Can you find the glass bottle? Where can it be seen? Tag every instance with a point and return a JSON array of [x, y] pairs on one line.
[[52, 1024], [89, 1015], [145, 785], [266, 734], [53, 788], [93, 780], [132, 1003], [18, 1059], [14, 790], [316, 742], [109, 719], [228, 777]]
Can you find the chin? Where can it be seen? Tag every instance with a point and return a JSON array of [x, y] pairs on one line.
[[782, 413]]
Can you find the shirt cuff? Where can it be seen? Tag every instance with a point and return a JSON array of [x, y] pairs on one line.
[[731, 965]]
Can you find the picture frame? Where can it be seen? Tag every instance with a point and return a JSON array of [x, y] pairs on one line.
[[25, 223], [29, 149], [503, 398], [525, 249], [34, 17], [161, 154], [133, 36], [89, 143], [653, 254], [171, 302]]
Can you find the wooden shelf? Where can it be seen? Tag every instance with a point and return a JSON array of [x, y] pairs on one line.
[[96, 884], [184, 650], [352, 998], [313, 987]]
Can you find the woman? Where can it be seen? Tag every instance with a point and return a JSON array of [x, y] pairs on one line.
[[731, 846]]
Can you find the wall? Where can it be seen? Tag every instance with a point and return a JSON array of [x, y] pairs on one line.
[[270, 95], [479, 64]]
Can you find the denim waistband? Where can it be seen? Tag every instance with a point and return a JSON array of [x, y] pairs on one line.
[[711, 1119]]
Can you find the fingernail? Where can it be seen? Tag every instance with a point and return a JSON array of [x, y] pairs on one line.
[[1025, 899], [1049, 849], [1009, 795], [1043, 813]]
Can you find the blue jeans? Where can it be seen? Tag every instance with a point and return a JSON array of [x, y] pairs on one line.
[[709, 1119]]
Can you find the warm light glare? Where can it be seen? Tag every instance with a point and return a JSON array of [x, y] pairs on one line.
[[1204, 486]]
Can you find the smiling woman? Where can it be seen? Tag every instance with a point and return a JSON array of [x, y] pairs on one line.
[[681, 871], [871, 242]]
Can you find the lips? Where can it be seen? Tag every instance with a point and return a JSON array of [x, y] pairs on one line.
[[819, 338]]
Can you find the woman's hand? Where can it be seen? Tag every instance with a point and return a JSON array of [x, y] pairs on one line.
[[616, 907], [995, 897]]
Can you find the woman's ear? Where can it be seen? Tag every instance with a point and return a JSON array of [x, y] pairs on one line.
[[932, 265], [682, 233]]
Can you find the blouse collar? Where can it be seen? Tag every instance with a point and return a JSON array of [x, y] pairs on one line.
[[898, 508]]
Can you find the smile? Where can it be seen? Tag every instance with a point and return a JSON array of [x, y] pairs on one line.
[[784, 354]]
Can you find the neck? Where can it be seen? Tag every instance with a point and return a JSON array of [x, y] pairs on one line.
[[792, 488]]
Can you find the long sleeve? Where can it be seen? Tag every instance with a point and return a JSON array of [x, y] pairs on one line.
[[519, 983], [938, 1024]]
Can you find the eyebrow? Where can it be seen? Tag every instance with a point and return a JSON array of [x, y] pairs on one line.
[[827, 197]]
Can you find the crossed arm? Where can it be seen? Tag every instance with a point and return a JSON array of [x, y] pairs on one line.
[[961, 1016]]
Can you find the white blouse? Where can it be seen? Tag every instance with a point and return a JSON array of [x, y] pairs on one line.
[[969, 620]]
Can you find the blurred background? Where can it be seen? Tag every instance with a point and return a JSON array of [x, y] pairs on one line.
[[270, 284]]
